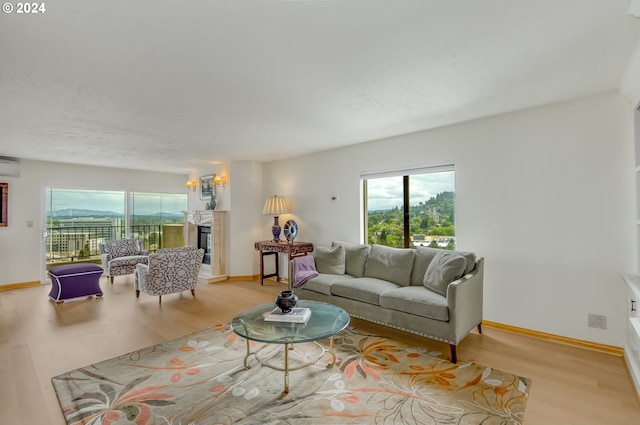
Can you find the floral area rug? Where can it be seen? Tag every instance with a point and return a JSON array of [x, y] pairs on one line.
[[199, 379]]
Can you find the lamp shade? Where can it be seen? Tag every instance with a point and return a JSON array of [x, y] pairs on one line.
[[275, 205]]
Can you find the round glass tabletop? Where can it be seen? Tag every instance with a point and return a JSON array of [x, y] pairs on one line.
[[326, 320]]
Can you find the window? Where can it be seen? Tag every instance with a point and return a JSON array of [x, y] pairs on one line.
[[78, 220], [409, 208], [150, 211]]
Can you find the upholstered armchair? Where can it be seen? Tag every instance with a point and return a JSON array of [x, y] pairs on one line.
[[169, 271], [120, 256]]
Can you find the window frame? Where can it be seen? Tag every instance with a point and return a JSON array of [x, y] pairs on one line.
[[405, 173]]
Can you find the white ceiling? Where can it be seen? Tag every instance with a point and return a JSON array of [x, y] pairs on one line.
[[173, 85]]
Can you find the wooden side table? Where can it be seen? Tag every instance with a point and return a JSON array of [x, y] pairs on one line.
[[292, 249]]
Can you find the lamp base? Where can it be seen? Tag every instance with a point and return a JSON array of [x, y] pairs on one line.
[[276, 229]]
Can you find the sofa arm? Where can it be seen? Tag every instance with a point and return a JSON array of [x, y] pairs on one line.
[[290, 275], [105, 261], [140, 277], [465, 300]]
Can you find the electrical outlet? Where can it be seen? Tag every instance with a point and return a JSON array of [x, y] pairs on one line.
[[597, 321]]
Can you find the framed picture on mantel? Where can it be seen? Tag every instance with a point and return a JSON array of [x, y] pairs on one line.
[[206, 186]]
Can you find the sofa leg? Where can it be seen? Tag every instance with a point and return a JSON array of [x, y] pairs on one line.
[[111, 279], [454, 355], [480, 327], [137, 293], [193, 292], [160, 299]]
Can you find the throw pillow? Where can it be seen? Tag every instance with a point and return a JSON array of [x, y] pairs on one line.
[[446, 267], [471, 260], [355, 256], [330, 259], [391, 264], [424, 257]]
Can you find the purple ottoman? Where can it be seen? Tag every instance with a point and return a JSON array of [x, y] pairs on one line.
[[75, 280]]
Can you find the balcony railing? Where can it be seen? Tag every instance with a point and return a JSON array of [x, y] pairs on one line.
[[82, 243]]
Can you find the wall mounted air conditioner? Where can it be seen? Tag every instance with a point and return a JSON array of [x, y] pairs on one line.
[[9, 166]]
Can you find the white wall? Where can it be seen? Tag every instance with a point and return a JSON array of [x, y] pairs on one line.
[[545, 195], [21, 255], [246, 209], [630, 83]]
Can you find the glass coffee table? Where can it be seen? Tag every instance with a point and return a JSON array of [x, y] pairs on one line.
[[326, 320]]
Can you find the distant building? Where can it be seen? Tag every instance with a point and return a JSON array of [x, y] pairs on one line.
[[71, 235], [425, 240], [91, 222]]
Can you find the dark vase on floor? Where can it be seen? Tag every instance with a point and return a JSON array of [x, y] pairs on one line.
[[286, 300]]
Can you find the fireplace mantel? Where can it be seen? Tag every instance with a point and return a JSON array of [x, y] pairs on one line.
[[216, 220], [201, 218]]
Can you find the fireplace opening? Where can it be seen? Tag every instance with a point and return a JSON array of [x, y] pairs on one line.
[[204, 242]]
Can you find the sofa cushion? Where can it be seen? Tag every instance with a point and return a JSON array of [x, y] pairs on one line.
[[416, 300], [355, 257], [471, 260], [130, 260], [446, 267], [424, 256], [365, 289], [75, 269], [122, 247], [392, 264], [322, 283], [330, 259]]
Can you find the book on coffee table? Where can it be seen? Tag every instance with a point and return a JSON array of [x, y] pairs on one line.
[[296, 315]]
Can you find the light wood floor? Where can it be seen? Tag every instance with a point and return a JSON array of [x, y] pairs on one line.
[[39, 340]]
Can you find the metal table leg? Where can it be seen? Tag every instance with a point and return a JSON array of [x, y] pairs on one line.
[[246, 357], [333, 354], [286, 368]]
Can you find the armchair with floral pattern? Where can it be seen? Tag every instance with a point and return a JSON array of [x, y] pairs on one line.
[[120, 256]]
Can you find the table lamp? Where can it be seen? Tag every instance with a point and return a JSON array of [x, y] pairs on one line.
[[275, 206]]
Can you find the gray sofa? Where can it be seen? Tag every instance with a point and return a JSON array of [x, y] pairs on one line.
[[426, 291]]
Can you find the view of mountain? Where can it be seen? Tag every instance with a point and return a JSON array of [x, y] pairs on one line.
[[79, 212]]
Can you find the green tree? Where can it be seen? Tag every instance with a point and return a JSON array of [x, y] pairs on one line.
[[433, 217], [85, 252]]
